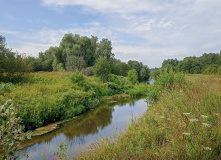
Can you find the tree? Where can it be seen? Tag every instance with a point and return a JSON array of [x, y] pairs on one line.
[[138, 66], [102, 69], [11, 63], [144, 74], [170, 63], [118, 67], [189, 64], [133, 76], [74, 62], [104, 49], [79, 46]]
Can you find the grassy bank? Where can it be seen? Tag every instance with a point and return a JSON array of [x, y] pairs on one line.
[[47, 97], [185, 123]]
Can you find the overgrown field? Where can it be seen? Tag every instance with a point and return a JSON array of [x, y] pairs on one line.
[[185, 123], [46, 97]]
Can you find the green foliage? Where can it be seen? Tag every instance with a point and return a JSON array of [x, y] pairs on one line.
[[88, 71], [11, 130], [77, 77], [183, 124], [102, 69], [62, 151], [118, 67], [219, 70], [170, 63], [133, 76], [166, 80], [75, 62], [143, 72], [206, 64], [212, 69], [117, 84], [7, 87], [53, 96], [137, 90], [12, 65], [104, 50]]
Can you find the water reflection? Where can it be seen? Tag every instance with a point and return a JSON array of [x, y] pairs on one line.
[[80, 132]]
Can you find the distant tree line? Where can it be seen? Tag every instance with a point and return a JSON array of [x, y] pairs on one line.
[[74, 52], [208, 63], [11, 63]]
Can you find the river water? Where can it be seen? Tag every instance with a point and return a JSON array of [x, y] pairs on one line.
[[105, 121]]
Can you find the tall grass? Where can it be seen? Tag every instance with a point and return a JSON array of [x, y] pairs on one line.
[[45, 98], [183, 124]]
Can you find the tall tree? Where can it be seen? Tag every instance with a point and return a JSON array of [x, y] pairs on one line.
[[75, 62], [104, 49]]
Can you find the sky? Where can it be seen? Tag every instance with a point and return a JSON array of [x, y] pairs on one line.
[[148, 31]]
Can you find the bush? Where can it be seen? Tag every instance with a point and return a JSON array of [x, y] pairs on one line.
[[88, 71], [102, 69], [11, 130], [133, 76], [138, 90], [166, 80], [77, 77]]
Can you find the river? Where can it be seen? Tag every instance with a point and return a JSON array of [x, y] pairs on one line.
[[105, 121]]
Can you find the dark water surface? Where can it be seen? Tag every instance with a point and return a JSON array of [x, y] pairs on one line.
[[104, 121]]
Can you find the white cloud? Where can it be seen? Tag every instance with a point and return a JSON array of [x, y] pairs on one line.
[[146, 30], [120, 6], [33, 43], [31, 49], [2, 31]]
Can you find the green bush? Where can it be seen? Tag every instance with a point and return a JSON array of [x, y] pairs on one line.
[[102, 69], [138, 90], [77, 77], [88, 71], [133, 76], [11, 131], [166, 80]]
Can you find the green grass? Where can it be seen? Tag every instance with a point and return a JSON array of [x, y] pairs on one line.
[[44, 98], [183, 124]]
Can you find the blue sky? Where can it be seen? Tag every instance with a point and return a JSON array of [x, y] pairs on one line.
[[145, 30]]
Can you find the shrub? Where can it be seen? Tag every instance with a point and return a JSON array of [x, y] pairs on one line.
[[166, 80], [133, 76], [11, 132], [77, 77], [88, 71], [102, 69]]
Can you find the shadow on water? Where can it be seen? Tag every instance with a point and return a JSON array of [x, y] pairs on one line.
[[79, 133]]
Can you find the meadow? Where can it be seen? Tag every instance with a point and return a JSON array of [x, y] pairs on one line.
[[46, 97], [182, 122]]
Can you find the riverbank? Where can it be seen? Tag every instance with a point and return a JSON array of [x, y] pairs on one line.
[[79, 133], [48, 97], [183, 124], [50, 127]]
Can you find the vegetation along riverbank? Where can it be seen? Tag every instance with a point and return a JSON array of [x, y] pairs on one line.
[[65, 81], [51, 97], [183, 124]]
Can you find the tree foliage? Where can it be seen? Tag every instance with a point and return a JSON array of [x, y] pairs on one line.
[[102, 69], [11, 63], [133, 76], [208, 63], [11, 130], [143, 71]]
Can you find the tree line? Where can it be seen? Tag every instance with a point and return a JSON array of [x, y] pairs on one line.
[[75, 52], [208, 63]]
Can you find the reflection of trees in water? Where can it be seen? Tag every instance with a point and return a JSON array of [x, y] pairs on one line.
[[83, 125], [131, 102], [88, 123]]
